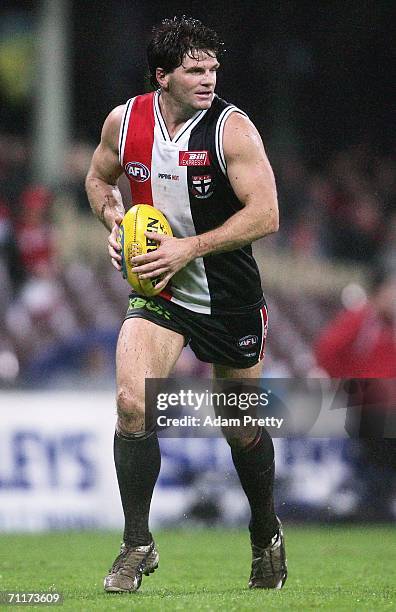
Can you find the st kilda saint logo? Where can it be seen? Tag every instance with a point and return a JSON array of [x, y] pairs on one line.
[[202, 186], [137, 171]]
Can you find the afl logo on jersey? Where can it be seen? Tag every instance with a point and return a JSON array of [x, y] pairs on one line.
[[137, 172]]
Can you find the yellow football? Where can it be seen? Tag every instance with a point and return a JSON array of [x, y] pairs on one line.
[[139, 219]]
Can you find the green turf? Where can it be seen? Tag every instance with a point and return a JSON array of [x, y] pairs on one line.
[[335, 568]]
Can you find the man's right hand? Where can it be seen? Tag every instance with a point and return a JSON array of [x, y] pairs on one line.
[[113, 247]]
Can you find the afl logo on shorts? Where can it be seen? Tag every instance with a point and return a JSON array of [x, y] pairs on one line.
[[137, 172], [247, 342]]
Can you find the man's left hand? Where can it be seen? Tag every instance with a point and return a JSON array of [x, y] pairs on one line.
[[171, 256]]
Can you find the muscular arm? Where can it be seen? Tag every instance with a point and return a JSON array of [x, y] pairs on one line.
[[253, 182], [101, 182]]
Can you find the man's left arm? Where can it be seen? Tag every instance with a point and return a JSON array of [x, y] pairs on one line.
[[252, 180]]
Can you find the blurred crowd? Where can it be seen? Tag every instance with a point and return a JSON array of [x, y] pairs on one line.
[[61, 302], [343, 211]]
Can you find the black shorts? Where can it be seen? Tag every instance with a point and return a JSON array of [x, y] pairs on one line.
[[236, 340]]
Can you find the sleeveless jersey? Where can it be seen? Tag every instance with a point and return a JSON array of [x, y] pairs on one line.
[[186, 178]]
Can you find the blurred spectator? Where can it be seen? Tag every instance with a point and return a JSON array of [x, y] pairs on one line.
[[357, 231], [361, 341], [34, 233], [84, 359], [14, 166], [5, 259], [388, 244], [291, 181], [385, 182], [76, 165]]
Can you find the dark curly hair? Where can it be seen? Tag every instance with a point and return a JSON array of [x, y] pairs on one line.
[[177, 37]]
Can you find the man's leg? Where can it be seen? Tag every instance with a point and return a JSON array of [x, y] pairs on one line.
[[253, 456], [144, 350], [252, 452]]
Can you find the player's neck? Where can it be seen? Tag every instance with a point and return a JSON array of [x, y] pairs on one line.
[[174, 115]]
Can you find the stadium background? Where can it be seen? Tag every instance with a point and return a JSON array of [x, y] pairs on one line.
[[316, 80]]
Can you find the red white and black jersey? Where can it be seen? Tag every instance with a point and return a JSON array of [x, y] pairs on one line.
[[186, 178]]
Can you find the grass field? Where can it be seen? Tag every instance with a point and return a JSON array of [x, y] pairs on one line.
[[335, 568]]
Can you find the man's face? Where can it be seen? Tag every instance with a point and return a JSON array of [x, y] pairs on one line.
[[192, 84]]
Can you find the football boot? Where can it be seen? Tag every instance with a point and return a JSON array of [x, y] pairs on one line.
[[128, 568], [269, 566]]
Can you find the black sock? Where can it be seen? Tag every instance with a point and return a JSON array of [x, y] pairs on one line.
[[137, 461], [256, 468]]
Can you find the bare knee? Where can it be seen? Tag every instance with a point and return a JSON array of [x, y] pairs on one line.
[[130, 411]]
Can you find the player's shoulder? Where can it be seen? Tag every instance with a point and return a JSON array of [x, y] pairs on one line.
[[233, 118], [111, 127], [238, 120], [240, 135], [114, 118]]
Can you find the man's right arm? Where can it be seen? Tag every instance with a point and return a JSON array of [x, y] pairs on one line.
[[101, 182]]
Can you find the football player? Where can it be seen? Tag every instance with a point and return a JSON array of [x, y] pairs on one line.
[[201, 161]]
